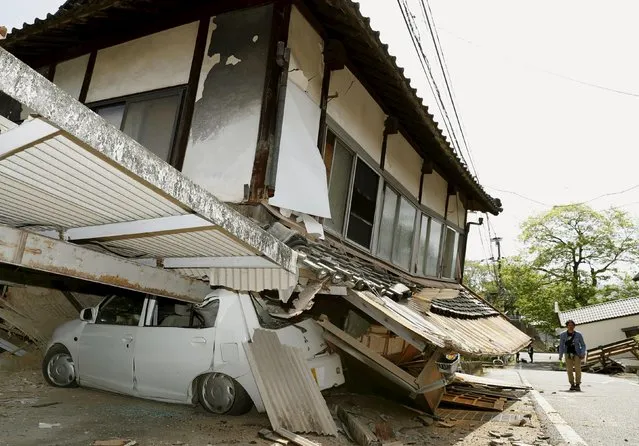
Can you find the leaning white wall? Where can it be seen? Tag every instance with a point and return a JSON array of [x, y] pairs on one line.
[[149, 63], [403, 163], [69, 75], [306, 68], [301, 175], [434, 192], [356, 112], [608, 331]]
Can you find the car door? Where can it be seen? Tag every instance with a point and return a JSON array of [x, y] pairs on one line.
[[106, 345], [172, 349]]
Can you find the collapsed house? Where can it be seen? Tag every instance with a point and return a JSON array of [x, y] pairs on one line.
[[270, 147]]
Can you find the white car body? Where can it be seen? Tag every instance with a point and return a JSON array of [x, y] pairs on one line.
[[162, 362]]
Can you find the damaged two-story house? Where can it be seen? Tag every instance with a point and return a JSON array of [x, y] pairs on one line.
[[264, 146]]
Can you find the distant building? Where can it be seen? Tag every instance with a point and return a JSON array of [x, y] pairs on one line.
[[606, 322]]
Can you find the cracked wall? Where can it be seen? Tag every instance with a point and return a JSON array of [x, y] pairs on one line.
[[224, 131]]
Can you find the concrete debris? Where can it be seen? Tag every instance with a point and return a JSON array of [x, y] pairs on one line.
[[497, 442], [357, 430], [384, 431], [494, 434], [48, 425], [519, 422], [445, 424]]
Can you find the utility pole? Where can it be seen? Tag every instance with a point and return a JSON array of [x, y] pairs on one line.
[[500, 287]]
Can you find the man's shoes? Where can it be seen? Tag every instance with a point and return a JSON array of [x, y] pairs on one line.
[[572, 388], [577, 388]]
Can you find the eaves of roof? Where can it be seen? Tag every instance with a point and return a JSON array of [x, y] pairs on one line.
[[86, 20]]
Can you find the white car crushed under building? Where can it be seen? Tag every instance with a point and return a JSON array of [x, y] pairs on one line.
[[172, 351]]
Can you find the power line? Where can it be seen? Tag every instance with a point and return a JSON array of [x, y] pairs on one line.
[[430, 21], [552, 73], [421, 55], [609, 194]]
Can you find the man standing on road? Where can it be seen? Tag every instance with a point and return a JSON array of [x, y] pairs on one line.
[[571, 343]]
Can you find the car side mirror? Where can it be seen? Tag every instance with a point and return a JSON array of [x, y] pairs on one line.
[[87, 314]]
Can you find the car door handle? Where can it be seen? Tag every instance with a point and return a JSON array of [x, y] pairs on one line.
[[198, 340], [127, 339]]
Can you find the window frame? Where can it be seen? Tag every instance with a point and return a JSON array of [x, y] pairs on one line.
[[109, 299], [177, 90], [385, 179], [357, 156]]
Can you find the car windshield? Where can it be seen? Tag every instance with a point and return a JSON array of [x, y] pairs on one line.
[[263, 308]]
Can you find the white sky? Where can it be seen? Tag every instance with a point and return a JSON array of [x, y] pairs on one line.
[[532, 133]]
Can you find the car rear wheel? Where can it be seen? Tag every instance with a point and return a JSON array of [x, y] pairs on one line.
[[58, 367], [221, 394]]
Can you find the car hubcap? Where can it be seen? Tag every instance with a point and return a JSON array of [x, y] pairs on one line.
[[61, 369], [220, 392]]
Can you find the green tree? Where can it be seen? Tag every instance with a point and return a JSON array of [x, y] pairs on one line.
[[480, 277], [579, 249]]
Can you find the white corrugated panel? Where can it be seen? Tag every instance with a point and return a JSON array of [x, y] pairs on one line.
[[60, 183], [291, 396], [204, 243], [252, 279]]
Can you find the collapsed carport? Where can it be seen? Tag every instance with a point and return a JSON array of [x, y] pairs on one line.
[[81, 199]]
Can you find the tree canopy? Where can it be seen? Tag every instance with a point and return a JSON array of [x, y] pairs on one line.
[[573, 255]]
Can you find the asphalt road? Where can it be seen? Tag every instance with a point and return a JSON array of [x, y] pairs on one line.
[[604, 413]]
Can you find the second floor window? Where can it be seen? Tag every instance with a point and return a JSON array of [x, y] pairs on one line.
[[396, 229], [352, 190], [149, 118]]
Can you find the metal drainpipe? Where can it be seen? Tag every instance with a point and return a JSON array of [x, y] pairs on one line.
[[467, 228], [283, 59]]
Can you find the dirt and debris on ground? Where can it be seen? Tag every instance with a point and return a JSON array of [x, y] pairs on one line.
[[85, 417]]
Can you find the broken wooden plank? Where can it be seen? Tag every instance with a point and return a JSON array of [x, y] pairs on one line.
[[358, 431], [297, 439], [269, 435], [379, 359]]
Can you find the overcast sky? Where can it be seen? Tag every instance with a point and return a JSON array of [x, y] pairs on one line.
[[537, 139]]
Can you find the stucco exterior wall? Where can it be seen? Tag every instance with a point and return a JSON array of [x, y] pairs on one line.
[[160, 60], [223, 138], [456, 210], [403, 163], [434, 192], [69, 75], [306, 68], [356, 112], [604, 332]]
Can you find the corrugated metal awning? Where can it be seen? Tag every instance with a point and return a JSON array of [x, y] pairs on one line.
[[72, 175], [491, 335]]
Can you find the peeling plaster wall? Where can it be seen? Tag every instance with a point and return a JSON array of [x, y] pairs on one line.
[[306, 68], [223, 137], [356, 112], [434, 192], [456, 210], [403, 163], [160, 60], [69, 75]]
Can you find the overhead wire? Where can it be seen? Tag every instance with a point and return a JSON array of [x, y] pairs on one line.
[[543, 70], [439, 50], [428, 72]]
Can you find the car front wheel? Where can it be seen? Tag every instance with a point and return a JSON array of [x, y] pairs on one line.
[[221, 394], [58, 367]]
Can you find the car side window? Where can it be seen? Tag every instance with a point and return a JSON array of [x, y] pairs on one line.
[[121, 310]]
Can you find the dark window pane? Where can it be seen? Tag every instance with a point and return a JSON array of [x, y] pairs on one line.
[[338, 186], [363, 203], [432, 254], [403, 246], [387, 224], [423, 242], [112, 114], [121, 310], [152, 123], [450, 254]]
